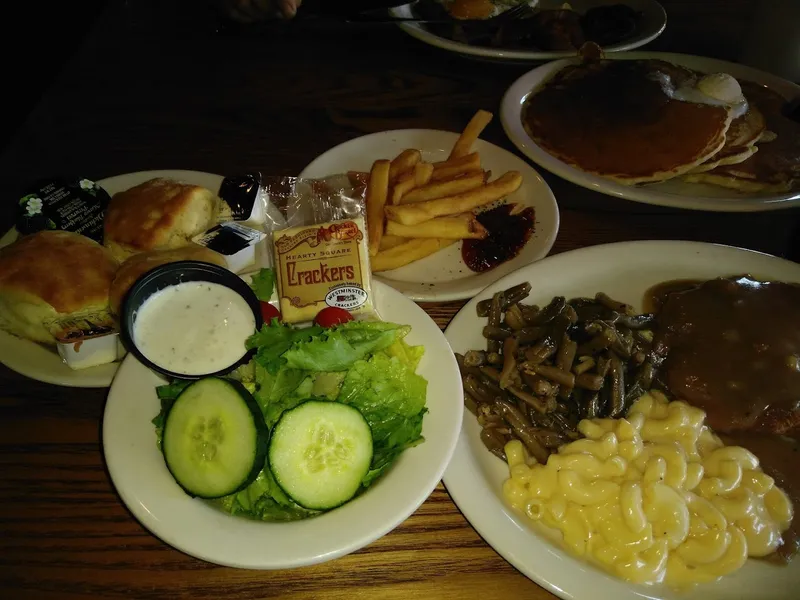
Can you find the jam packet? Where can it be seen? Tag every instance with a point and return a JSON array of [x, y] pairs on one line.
[[77, 205]]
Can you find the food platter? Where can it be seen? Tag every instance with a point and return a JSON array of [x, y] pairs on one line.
[[37, 362], [474, 477], [443, 276], [140, 476], [673, 193], [654, 21]]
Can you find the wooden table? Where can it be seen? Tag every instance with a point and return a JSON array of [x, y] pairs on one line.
[[154, 89]]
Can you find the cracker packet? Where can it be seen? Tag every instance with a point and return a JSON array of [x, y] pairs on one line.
[[319, 246]]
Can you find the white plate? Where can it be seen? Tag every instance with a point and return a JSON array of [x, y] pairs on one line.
[[474, 478], [654, 20], [138, 471], [444, 276], [40, 363], [674, 193]]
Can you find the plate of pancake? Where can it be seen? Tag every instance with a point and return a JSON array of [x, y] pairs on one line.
[[666, 129], [51, 274]]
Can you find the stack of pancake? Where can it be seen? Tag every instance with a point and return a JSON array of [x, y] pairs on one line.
[[647, 121]]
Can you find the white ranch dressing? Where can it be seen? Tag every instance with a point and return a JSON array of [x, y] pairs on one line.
[[194, 328]]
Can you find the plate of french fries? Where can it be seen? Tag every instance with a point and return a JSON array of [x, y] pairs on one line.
[[425, 190]]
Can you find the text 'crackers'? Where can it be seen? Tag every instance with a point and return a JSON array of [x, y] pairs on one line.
[[323, 265]]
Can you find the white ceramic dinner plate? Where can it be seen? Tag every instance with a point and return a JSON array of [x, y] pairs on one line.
[[475, 477], [654, 21], [145, 485], [444, 276], [40, 363], [675, 193]]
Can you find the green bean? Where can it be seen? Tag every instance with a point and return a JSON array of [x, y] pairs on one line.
[[475, 388], [549, 312], [539, 385], [620, 307], [600, 341], [529, 335], [470, 403], [589, 381], [509, 362], [495, 314], [585, 363], [514, 318], [617, 375], [537, 403], [474, 358], [494, 358], [511, 296], [564, 378], [602, 366], [499, 334], [636, 321], [520, 424], [593, 406], [539, 353], [494, 442], [566, 353]]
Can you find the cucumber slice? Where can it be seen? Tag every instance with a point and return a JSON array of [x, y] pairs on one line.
[[319, 453], [215, 438]]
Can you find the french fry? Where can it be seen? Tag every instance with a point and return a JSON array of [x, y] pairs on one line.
[[419, 175], [409, 252], [375, 199], [443, 189], [403, 162], [472, 159], [422, 173], [390, 241], [419, 212], [444, 173], [471, 132], [460, 227], [404, 183]]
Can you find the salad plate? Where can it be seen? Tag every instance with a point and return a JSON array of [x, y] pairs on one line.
[[444, 276], [194, 526], [43, 364], [474, 478]]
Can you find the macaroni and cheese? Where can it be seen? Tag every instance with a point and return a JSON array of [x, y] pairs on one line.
[[655, 497]]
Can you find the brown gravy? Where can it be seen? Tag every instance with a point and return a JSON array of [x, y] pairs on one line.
[[731, 346]]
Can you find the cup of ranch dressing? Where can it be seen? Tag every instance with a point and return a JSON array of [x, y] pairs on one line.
[[190, 319]]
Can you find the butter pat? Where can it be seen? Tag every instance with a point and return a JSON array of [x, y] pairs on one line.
[[91, 351], [323, 265], [236, 242]]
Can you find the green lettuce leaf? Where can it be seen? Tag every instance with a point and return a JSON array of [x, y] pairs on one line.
[[279, 392], [391, 396], [264, 500], [337, 349], [167, 394], [274, 340], [263, 284], [410, 355]]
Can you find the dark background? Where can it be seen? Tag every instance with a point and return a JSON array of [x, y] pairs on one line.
[[38, 38]]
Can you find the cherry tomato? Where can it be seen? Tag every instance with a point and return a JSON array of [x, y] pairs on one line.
[[269, 312], [332, 315]]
